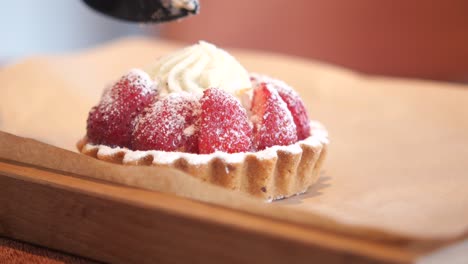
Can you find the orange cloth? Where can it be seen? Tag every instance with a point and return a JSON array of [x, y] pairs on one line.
[[12, 251]]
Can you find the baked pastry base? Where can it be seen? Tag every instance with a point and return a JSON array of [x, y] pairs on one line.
[[274, 173]]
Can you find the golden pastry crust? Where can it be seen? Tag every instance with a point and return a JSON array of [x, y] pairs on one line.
[[274, 173]]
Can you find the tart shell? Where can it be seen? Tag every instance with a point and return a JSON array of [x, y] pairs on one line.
[[274, 173]]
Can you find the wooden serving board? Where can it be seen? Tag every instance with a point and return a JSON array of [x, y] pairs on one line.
[[120, 224]]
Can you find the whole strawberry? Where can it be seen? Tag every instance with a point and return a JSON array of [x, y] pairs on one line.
[[273, 122], [170, 124], [111, 121], [224, 125], [293, 101]]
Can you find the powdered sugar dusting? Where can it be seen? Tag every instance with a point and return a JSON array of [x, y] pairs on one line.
[[276, 83], [135, 79], [293, 101], [135, 155], [224, 123], [164, 157], [141, 79], [109, 151], [318, 138], [190, 130], [273, 122], [89, 147], [111, 121], [170, 124], [173, 122]]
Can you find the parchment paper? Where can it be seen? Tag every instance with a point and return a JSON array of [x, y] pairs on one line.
[[397, 162]]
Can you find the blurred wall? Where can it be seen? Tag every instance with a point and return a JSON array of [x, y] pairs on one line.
[[49, 26], [418, 38]]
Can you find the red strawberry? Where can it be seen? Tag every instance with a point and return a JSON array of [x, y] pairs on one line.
[[224, 124], [170, 124], [297, 108], [293, 101], [111, 121], [273, 123]]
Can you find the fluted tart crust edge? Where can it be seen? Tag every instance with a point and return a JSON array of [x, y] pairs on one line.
[[274, 173]]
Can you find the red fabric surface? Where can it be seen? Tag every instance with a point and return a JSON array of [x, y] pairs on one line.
[[12, 251]]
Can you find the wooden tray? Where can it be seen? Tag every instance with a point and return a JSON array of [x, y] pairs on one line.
[[121, 224]]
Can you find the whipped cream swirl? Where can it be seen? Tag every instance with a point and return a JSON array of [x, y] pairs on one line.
[[200, 67]]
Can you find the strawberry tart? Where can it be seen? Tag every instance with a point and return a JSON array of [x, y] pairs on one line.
[[200, 111]]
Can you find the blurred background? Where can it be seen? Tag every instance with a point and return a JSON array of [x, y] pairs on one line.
[[419, 38]]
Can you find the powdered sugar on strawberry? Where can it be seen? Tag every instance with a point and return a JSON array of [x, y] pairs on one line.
[[293, 101], [273, 122], [170, 124], [134, 113], [224, 124], [111, 121]]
